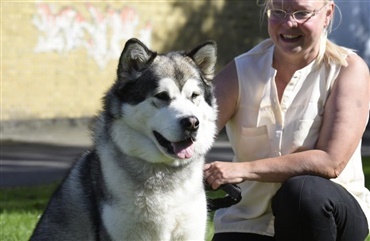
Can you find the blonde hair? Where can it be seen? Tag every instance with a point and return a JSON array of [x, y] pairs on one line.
[[329, 51]]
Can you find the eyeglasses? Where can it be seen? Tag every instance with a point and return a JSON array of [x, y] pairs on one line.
[[299, 16]]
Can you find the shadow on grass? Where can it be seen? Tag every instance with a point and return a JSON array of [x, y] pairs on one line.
[[26, 199]]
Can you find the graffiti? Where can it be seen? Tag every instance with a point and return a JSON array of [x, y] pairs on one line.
[[102, 35]]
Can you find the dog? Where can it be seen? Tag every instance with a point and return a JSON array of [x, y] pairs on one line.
[[143, 178]]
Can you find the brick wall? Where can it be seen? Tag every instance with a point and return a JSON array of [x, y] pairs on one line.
[[58, 58]]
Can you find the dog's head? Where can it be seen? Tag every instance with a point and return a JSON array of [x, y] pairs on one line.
[[161, 107]]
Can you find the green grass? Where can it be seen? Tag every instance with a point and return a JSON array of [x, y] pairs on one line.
[[20, 208]]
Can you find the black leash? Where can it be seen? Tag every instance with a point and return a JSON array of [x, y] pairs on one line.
[[233, 197]]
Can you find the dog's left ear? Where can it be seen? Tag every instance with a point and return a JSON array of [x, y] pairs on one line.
[[134, 58], [205, 56]]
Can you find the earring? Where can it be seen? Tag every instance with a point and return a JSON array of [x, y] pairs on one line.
[[326, 24]]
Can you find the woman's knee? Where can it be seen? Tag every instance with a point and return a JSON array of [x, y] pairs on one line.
[[304, 196], [311, 205], [303, 192], [299, 204]]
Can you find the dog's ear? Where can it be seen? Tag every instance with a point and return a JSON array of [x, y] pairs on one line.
[[134, 58], [205, 56]]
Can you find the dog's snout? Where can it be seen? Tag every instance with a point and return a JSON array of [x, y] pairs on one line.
[[190, 123]]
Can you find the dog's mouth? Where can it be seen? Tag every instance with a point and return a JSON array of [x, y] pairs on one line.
[[182, 149]]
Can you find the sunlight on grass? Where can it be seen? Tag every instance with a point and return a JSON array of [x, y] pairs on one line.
[[20, 209], [210, 229], [16, 226]]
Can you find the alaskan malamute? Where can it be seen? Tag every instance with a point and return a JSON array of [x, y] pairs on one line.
[[144, 178]]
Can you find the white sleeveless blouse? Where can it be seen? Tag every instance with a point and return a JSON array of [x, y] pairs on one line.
[[262, 127]]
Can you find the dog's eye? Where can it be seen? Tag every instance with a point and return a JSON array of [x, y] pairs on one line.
[[194, 95], [162, 96]]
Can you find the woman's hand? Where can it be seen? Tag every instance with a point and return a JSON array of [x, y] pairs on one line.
[[219, 173]]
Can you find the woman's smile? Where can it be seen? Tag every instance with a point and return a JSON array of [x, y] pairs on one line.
[[290, 38]]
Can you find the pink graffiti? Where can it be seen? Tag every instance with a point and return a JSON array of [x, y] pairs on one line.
[[102, 34]]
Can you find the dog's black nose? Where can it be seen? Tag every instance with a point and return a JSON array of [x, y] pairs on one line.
[[190, 123]]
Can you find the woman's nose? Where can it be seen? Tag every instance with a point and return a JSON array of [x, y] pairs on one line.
[[290, 21]]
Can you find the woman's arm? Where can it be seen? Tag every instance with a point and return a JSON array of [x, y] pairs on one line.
[[226, 92], [345, 115], [343, 124]]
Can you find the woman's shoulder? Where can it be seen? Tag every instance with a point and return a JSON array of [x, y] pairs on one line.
[[354, 76], [356, 65]]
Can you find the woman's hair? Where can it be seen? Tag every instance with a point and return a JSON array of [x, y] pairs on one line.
[[329, 51]]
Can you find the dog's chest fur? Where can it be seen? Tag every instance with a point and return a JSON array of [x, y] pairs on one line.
[[137, 204]]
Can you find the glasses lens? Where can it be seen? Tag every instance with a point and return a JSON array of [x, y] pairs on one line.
[[276, 14], [302, 15]]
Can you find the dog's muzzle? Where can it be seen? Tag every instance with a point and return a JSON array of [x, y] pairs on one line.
[[190, 124], [184, 148]]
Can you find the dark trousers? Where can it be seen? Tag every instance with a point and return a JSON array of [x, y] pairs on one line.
[[308, 208]]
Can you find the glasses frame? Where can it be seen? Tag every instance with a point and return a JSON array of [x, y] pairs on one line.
[[310, 13]]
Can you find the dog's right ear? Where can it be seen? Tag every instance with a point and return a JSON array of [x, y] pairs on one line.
[[134, 58]]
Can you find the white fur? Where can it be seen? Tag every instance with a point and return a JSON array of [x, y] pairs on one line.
[[177, 215]]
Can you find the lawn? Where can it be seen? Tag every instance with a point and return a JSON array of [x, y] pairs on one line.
[[20, 208]]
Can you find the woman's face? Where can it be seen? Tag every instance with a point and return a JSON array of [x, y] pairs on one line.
[[301, 37]]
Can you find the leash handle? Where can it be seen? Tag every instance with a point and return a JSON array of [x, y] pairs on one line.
[[233, 197], [233, 191]]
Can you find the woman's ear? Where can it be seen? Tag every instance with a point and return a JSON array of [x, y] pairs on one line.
[[329, 13]]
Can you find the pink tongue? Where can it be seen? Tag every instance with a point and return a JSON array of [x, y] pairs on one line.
[[183, 149]]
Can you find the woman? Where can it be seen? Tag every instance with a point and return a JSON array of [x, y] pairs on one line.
[[295, 108]]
